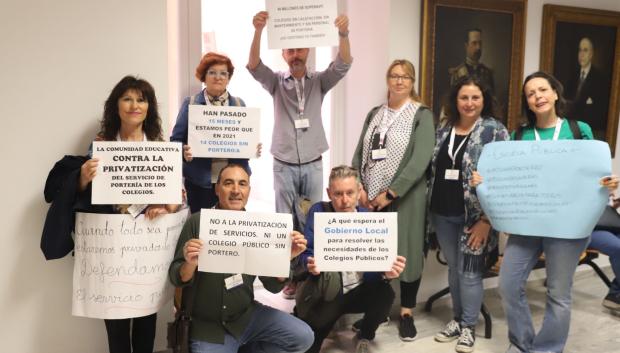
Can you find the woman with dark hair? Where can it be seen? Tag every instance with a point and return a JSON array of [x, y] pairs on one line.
[[392, 155], [130, 114], [543, 105], [215, 71], [463, 232]]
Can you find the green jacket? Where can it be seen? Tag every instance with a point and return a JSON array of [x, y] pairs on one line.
[[216, 310], [410, 184]]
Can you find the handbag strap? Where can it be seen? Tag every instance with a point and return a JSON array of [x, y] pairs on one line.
[[187, 299]]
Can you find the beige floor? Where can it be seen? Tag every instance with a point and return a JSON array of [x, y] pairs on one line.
[[593, 328]]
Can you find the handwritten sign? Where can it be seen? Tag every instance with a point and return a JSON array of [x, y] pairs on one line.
[[301, 24], [245, 242], [121, 264], [223, 131], [137, 173], [544, 188], [347, 241]]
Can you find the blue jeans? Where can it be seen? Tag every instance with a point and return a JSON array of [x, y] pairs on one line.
[[269, 330], [561, 259], [609, 244], [465, 287], [292, 183]]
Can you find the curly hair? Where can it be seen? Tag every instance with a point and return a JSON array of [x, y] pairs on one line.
[[111, 122], [210, 59], [489, 108], [560, 103]]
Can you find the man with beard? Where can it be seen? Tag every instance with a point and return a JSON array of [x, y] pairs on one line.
[[472, 65], [225, 316], [298, 137]]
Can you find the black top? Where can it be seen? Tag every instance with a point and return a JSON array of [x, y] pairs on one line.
[[447, 198]]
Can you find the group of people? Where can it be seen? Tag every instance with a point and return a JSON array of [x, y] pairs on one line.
[[401, 164]]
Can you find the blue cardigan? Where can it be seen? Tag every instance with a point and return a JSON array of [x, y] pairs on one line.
[[198, 171]]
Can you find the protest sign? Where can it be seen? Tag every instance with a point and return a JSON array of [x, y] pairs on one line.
[[223, 131], [355, 241], [245, 242], [137, 173], [544, 188], [301, 24], [121, 264]]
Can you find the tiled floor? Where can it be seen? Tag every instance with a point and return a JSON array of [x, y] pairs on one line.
[[593, 328]]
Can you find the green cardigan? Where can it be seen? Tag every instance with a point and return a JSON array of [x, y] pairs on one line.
[[410, 184]]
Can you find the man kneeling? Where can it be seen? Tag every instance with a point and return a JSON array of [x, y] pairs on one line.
[[369, 293], [225, 316]]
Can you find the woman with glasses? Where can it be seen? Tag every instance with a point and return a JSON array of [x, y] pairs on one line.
[[392, 155], [215, 71]]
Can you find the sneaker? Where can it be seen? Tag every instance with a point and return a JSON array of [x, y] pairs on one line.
[[289, 290], [612, 301], [451, 332], [363, 346], [466, 341], [406, 328], [357, 325]]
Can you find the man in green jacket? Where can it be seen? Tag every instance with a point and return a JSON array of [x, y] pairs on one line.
[[225, 316]]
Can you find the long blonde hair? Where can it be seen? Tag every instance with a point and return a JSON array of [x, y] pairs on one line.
[[408, 68]]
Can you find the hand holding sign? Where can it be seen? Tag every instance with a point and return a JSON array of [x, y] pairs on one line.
[[298, 244]]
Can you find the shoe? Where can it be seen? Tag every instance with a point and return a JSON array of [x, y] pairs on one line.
[[357, 325], [363, 346], [612, 301], [406, 328], [466, 341], [289, 290], [451, 332]]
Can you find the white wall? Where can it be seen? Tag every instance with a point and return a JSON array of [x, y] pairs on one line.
[[59, 61]]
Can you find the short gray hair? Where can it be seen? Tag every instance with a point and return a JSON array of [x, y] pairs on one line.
[[342, 172]]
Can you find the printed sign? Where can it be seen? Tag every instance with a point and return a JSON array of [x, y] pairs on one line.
[[245, 242], [301, 24], [544, 188], [121, 264], [223, 131], [355, 241], [137, 173]]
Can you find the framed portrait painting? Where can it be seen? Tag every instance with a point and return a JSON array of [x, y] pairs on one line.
[[466, 37], [580, 47]]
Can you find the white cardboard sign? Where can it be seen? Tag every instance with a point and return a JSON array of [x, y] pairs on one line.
[[301, 24]]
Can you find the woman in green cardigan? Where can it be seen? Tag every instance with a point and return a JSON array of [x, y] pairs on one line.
[[392, 155]]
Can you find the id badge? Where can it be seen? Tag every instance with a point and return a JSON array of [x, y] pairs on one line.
[[379, 154], [452, 174], [233, 281], [135, 209], [302, 123]]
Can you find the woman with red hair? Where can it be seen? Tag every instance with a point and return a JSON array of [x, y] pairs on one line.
[[215, 71]]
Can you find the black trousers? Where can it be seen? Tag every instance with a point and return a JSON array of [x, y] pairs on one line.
[[199, 197], [137, 333], [373, 299], [409, 293]]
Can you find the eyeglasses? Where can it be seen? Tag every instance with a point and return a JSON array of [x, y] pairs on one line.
[[398, 77], [218, 74]]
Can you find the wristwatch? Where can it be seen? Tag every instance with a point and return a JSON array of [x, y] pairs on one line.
[[389, 196]]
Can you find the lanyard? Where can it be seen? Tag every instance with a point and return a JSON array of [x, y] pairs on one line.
[[556, 132], [301, 99], [452, 154], [384, 127]]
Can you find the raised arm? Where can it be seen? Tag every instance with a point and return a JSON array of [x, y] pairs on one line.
[[259, 21], [344, 46]]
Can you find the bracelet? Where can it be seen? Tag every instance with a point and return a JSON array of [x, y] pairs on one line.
[[343, 34]]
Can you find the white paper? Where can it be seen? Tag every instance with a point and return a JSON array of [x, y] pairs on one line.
[[301, 24], [137, 173], [121, 264], [355, 241], [223, 131], [245, 242]]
